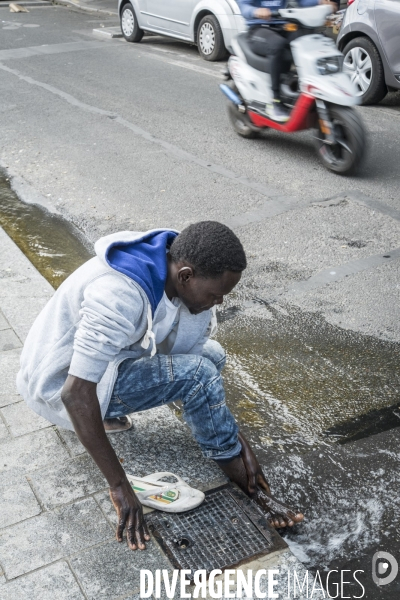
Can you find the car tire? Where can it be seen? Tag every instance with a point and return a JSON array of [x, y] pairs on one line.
[[370, 78], [129, 24], [210, 40]]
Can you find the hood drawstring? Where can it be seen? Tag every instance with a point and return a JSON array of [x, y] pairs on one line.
[[149, 335]]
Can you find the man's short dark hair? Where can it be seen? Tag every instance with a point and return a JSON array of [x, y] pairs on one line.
[[210, 247]]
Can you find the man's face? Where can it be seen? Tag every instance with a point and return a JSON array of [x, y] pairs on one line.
[[199, 294]]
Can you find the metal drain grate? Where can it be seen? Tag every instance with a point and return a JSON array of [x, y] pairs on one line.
[[227, 529]]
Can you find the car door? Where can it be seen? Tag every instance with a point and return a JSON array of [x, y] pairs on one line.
[[387, 19], [171, 16]]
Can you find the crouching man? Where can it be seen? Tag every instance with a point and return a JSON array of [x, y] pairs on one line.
[[129, 331]]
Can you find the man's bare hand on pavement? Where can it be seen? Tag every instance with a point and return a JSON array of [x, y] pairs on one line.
[[258, 488], [130, 516]]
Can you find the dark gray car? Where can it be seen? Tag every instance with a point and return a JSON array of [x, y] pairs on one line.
[[370, 41]]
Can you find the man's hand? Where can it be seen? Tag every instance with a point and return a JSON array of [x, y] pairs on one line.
[[130, 516], [255, 476], [258, 487], [262, 13]]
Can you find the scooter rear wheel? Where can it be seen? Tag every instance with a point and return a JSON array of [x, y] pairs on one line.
[[241, 122], [345, 156]]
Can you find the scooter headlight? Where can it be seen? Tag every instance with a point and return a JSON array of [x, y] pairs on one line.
[[329, 65]]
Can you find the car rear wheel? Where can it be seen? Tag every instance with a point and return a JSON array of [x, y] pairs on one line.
[[129, 24], [363, 63], [210, 40]]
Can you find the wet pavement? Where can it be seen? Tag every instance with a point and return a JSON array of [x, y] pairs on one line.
[[288, 380]]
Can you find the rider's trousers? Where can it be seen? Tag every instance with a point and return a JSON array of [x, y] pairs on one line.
[[276, 46]]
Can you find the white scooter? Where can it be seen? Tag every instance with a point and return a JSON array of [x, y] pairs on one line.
[[319, 95]]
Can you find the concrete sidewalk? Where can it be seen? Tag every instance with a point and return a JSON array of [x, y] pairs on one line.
[[56, 519]]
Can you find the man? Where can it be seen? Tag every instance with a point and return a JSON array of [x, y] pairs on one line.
[[128, 331], [269, 43]]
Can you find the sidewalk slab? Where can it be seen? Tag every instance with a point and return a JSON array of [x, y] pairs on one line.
[[21, 311], [24, 292], [55, 582], [112, 570], [9, 366], [9, 340], [31, 452], [4, 435], [17, 502], [53, 535], [67, 481], [21, 419], [4, 324], [6, 400]]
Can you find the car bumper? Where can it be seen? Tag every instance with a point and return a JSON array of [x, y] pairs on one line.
[[231, 26]]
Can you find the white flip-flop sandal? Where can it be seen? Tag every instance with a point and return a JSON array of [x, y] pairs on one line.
[[169, 497]]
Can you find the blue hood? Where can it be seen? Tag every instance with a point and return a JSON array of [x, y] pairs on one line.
[[144, 260]]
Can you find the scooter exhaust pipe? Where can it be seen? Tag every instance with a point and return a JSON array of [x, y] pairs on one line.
[[230, 94]]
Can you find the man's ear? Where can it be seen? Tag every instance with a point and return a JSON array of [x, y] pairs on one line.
[[184, 274]]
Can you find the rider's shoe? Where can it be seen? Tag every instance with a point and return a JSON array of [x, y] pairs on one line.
[[276, 111]]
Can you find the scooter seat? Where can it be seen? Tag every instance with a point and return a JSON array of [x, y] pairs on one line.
[[261, 63]]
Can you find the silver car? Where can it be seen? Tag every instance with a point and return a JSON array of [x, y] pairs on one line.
[[211, 24], [370, 41]]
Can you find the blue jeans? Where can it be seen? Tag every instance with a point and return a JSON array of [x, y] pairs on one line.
[[196, 381]]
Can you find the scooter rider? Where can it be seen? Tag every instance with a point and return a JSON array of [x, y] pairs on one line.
[[272, 44]]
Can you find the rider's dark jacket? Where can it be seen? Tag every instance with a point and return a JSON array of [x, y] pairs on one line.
[[248, 7]]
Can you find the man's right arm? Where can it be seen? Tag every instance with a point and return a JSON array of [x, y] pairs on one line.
[[80, 399]]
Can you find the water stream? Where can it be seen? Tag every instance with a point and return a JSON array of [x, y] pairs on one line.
[[52, 244]]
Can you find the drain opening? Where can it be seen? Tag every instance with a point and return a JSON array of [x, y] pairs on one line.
[[225, 531]]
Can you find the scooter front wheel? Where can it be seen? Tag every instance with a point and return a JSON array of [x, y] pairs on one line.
[[241, 122], [345, 156]]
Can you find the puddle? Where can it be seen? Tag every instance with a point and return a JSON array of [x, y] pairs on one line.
[[293, 378], [53, 245]]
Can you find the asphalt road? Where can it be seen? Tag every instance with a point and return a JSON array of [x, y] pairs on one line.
[[116, 136], [119, 135]]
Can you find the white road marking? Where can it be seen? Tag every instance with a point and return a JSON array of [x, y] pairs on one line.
[[185, 65]]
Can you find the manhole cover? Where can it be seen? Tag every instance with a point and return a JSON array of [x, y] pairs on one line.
[[227, 529]]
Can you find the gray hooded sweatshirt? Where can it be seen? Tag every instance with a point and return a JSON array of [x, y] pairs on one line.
[[97, 318]]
